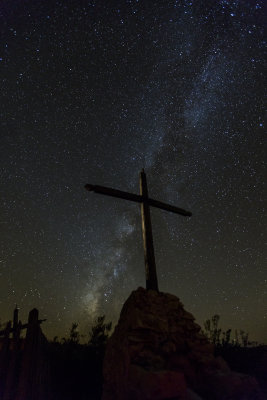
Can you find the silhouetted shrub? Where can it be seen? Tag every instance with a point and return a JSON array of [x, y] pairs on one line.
[[223, 338]]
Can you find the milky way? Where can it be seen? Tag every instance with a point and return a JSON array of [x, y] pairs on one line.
[[94, 91]]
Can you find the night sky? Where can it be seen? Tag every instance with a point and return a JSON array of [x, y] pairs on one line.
[[92, 92]]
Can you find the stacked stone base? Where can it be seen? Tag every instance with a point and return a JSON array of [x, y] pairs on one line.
[[157, 352]]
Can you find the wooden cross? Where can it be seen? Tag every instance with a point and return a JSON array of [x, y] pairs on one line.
[[17, 325], [146, 202]]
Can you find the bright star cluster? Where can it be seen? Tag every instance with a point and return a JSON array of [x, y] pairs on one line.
[[92, 92]]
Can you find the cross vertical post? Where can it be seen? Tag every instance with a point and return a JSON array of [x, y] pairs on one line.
[[146, 202], [150, 263]]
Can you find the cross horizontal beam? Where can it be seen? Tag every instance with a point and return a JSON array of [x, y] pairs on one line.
[[114, 193], [136, 198]]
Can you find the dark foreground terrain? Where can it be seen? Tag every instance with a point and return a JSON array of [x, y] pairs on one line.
[[247, 360], [76, 370], [33, 368]]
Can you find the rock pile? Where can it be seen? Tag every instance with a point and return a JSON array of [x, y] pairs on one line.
[[157, 352]]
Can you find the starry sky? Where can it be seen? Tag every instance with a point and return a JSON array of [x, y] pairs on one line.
[[92, 92]]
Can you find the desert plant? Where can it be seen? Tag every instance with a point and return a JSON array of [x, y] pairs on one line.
[[74, 334], [100, 332], [211, 329], [223, 338]]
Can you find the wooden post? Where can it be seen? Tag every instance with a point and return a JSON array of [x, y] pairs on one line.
[[15, 322], [150, 264], [34, 380], [4, 359], [14, 361]]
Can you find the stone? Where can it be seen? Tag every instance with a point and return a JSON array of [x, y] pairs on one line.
[[192, 395], [158, 352], [221, 364], [229, 385], [156, 385]]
